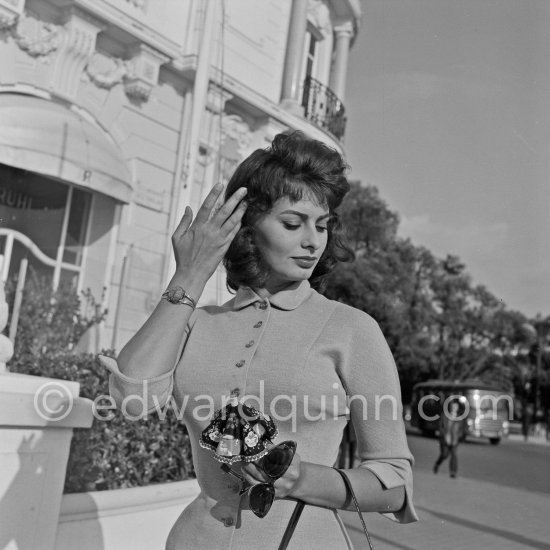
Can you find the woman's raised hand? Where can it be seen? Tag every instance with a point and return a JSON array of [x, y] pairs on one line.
[[199, 245]]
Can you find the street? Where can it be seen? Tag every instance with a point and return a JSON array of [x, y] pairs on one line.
[[500, 500], [511, 463]]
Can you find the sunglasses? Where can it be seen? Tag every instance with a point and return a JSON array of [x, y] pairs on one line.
[[274, 464]]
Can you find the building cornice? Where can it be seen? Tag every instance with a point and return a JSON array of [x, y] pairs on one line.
[[129, 25]]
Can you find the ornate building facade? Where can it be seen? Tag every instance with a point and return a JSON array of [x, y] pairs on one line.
[[116, 114]]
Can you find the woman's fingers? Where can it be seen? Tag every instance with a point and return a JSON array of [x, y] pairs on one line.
[[184, 224], [285, 484], [233, 223], [253, 474], [203, 241], [209, 202], [225, 212]]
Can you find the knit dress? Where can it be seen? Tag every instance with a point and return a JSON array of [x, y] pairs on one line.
[[311, 364]]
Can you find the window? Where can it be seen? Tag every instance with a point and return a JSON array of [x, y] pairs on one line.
[[76, 227], [311, 58], [43, 220]]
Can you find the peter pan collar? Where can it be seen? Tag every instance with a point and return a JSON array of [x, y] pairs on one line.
[[287, 299]]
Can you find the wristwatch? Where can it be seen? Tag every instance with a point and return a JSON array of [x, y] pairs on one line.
[[177, 295]]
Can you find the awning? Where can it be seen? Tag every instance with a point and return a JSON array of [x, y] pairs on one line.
[[48, 138]]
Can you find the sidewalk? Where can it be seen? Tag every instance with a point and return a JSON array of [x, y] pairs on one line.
[[461, 514], [532, 439]]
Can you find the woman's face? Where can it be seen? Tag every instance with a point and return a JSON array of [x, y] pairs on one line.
[[292, 236]]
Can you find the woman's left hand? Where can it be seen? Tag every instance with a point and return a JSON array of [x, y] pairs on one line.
[[284, 485]]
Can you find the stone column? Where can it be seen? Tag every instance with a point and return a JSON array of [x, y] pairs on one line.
[[290, 99], [343, 34]]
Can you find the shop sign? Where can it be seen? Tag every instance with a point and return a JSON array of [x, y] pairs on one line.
[[15, 199]]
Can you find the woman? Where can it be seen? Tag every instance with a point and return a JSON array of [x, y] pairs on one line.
[[282, 347]]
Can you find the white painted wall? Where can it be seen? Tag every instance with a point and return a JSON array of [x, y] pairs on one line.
[[255, 44], [36, 424], [125, 519], [168, 18]]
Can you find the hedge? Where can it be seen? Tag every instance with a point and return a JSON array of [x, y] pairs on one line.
[[113, 453]]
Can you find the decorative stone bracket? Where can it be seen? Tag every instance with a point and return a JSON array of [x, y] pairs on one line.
[[72, 41], [139, 74], [10, 11], [143, 71], [74, 45], [76, 48]]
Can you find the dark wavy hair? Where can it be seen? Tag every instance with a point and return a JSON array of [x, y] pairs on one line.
[[295, 167]]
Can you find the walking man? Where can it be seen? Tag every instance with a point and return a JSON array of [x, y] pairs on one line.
[[449, 437]]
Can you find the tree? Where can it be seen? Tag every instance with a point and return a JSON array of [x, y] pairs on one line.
[[370, 223], [379, 282], [438, 324]]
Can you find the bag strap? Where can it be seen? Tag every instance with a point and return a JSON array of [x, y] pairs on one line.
[[351, 492], [289, 531], [299, 508]]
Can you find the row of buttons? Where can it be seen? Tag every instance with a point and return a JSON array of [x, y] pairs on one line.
[[229, 521], [242, 362]]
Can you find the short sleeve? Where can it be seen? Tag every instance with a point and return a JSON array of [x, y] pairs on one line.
[[369, 374]]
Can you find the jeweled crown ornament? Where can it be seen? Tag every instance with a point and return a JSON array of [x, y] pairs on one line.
[[238, 432]]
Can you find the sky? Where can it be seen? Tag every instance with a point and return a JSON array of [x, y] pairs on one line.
[[448, 105]]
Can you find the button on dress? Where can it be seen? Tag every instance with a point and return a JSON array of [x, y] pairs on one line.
[[312, 364]]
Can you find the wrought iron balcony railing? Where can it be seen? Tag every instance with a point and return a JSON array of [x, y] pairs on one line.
[[323, 107]]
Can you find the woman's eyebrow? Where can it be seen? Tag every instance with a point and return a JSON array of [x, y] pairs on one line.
[[305, 216]]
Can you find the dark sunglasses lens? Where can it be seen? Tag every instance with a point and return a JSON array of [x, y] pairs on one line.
[[277, 461], [260, 499]]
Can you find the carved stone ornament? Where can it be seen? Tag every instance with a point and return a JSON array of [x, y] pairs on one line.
[[77, 47], [37, 38], [143, 71], [7, 21], [106, 72], [236, 129], [318, 14], [10, 11], [139, 75]]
